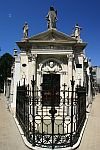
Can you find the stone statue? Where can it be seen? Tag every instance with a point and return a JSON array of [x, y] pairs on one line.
[[77, 31], [51, 18], [25, 30]]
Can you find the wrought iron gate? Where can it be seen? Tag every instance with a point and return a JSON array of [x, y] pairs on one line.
[[52, 125]]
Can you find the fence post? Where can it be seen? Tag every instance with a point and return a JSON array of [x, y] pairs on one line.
[[71, 135], [24, 99], [27, 113], [64, 106], [33, 104]]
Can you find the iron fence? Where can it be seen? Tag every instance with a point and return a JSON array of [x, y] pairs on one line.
[[57, 124]]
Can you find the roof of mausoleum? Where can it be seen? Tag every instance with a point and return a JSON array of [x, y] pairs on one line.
[[50, 36]]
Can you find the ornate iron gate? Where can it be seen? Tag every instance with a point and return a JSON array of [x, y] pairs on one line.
[[52, 125]]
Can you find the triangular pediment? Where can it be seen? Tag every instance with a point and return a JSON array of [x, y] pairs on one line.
[[52, 35]]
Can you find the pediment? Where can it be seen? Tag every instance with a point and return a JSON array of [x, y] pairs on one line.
[[52, 35]]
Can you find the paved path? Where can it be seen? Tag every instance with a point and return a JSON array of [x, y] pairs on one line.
[[10, 138], [91, 137]]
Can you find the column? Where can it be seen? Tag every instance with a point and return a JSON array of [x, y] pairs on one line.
[[32, 67], [70, 69]]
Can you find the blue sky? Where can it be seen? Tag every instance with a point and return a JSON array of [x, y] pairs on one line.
[[14, 13]]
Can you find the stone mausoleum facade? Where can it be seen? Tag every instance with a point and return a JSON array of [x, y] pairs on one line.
[[47, 55]]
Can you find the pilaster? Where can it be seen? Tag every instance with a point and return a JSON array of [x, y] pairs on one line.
[[70, 68], [32, 69]]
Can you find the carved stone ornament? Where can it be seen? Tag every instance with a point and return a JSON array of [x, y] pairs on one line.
[[31, 57], [70, 57], [51, 66]]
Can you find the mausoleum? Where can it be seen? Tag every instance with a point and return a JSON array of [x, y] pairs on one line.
[[50, 60]]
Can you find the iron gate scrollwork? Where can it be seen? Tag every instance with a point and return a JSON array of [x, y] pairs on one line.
[[54, 126]]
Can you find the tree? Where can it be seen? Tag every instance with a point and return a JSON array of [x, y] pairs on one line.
[[6, 62]]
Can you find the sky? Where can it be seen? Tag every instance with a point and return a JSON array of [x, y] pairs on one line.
[[14, 13]]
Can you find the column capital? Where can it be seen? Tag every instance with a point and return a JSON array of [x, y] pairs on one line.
[[32, 57], [70, 57]]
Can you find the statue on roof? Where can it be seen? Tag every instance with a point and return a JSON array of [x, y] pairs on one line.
[[51, 18], [25, 30], [77, 31]]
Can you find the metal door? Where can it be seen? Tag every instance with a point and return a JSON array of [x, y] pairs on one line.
[[51, 90]]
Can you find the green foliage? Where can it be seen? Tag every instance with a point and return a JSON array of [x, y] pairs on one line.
[[6, 62]]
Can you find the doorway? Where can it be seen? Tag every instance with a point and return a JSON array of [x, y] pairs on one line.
[[51, 90]]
